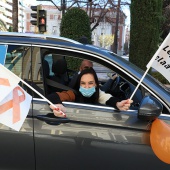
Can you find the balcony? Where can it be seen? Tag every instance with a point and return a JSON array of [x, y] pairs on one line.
[[9, 14], [10, 1], [7, 6]]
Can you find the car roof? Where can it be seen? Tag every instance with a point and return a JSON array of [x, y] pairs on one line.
[[41, 36]]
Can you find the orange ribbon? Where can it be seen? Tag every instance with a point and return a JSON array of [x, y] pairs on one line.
[[14, 103], [4, 82]]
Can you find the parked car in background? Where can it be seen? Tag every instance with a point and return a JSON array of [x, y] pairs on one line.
[[91, 137]]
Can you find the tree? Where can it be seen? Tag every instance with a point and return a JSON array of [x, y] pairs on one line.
[[146, 18], [96, 10], [106, 40], [15, 15], [3, 26], [166, 22], [75, 24]]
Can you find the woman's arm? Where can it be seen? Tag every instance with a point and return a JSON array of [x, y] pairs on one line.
[[59, 110], [124, 104], [57, 98], [108, 99], [120, 105]]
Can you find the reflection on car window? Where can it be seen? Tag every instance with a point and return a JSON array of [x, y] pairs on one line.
[[3, 49], [18, 60]]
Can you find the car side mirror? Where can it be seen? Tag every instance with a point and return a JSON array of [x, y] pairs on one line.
[[150, 108]]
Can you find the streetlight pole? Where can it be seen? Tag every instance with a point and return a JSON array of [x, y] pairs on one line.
[[116, 28]]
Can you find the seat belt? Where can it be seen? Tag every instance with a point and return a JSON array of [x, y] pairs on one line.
[[59, 85]]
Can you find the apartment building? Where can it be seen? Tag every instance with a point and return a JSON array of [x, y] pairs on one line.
[[6, 15]]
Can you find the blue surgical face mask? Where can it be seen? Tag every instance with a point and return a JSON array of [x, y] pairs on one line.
[[87, 92]]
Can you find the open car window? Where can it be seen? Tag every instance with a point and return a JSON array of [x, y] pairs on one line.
[[56, 79]]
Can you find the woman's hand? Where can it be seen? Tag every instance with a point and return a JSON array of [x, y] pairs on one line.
[[124, 104], [59, 110]]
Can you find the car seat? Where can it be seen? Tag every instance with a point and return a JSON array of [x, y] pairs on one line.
[[59, 80], [59, 68], [46, 69]]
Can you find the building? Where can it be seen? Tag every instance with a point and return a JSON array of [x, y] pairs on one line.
[[127, 40], [6, 15], [107, 27]]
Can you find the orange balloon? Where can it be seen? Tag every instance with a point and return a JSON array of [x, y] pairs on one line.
[[160, 140]]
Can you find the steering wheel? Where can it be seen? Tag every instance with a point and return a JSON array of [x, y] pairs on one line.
[[115, 89], [115, 84]]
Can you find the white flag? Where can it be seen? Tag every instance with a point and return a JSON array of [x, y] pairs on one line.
[[7, 82], [161, 59], [14, 108]]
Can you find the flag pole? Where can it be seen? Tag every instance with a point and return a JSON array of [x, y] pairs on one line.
[[139, 82], [30, 87], [37, 92]]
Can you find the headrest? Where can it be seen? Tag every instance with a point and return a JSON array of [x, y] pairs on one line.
[[59, 67], [46, 68]]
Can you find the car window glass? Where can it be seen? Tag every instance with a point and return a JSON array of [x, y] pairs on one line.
[[18, 60], [37, 73], [3, 49]]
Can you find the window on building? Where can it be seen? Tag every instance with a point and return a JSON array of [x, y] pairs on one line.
[[55, 17], [32, 28], [54, 30], [51, 16]]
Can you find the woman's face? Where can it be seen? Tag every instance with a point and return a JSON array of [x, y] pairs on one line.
[[87, 81]]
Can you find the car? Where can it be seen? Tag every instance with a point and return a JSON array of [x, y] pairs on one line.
[[91, 137]]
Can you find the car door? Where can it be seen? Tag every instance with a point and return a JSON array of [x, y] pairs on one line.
[[92, 136], [17, 147]]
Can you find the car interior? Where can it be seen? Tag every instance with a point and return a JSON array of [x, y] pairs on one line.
[[58, 75]]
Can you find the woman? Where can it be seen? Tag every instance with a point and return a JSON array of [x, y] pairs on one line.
[[87, 86]]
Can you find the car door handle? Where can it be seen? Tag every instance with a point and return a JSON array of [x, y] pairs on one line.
[[51, 119]]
